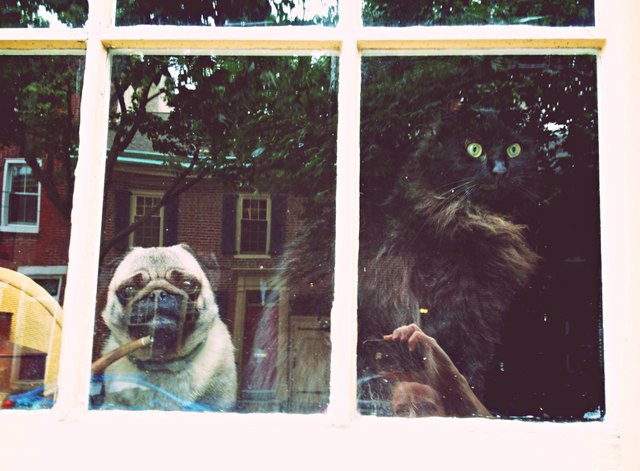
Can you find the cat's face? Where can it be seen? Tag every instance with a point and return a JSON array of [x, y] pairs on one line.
[[484, 161]]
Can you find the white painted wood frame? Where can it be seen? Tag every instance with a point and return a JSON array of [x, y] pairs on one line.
[[73, 437]]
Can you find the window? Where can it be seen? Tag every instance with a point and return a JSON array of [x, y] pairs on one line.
[[38, 152], [150, 232], [49, 277], [20, 198], [605, 443], [253, 225], [465, 147]]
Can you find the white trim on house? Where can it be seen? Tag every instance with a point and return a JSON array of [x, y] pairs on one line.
[[5, 225], [77, 438]]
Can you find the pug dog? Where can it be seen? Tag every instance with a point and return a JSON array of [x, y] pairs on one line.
[[162, 293]]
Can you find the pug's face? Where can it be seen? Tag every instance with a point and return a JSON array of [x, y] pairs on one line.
[[160, 292]]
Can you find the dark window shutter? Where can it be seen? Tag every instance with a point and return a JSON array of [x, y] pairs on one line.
[[278, 223], [228, 242], [222, 299], [171, 221], [122, 209]]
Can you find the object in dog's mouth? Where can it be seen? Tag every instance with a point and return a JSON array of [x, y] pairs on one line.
[[102, 363]]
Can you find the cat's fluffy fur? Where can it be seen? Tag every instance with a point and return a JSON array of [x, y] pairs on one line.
[[437, 243]]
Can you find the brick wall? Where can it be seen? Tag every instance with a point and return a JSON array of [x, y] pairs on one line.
[[49, 246]]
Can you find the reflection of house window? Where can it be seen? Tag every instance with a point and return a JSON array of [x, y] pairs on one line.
[[20, 198], [50, 283], [150, 233], [253, 225], [254, 218], [49, 277]]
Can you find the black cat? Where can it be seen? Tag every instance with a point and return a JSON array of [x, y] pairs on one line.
[[444, 243]]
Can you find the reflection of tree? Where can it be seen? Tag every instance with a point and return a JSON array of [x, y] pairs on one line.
[[455, 12], [553, 96], [219, 12], [39, 106], [14, 13], [258, 123], [275, 116]]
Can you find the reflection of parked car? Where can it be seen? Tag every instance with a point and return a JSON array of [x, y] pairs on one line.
[[30, 331]]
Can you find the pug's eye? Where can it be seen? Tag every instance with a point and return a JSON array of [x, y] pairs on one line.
[[474, 150], [514, 150], [190, 285], [126, 292]]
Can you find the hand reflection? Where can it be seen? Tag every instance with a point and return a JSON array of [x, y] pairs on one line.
[[439, 389]]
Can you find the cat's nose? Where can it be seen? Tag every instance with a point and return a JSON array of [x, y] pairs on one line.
[[499, 168]]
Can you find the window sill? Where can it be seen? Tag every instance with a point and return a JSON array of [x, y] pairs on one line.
[[252, 256], [24, 229]]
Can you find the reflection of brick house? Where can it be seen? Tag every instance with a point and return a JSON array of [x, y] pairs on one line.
[[34, 236], [245, 234]]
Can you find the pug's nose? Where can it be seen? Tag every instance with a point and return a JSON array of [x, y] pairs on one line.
[[158, 295]]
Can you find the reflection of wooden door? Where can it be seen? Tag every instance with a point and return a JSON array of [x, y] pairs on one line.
[[260, 347], [310, 363]]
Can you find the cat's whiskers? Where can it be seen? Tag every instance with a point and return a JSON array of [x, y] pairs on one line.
[[450, 186], [460, 190], [463, 191], [522, 183]]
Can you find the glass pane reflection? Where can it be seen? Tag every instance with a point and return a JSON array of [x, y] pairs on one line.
[[44, 14], [479, 238], [228, 13], [475, 12], [39, 104], [219, 165]]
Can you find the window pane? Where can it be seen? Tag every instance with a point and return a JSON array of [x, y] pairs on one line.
[[149, 230], [52, 285], [39, 105], [45, 14], [254, 225], [253, 236], [239, 153], [476, 12], [480, 224], [227, 12], [23, 209]]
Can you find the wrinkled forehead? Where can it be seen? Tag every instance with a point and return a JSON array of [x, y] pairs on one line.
[[157, 262]]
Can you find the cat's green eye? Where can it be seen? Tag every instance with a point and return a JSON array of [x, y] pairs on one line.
[[474, 150], [514, 150]]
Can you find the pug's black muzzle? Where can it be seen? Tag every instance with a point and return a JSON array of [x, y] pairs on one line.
[[169, 318]]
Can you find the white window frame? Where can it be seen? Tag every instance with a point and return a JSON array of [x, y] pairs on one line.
[[132, 214], [241, 198], [80, 438], [5, 225]]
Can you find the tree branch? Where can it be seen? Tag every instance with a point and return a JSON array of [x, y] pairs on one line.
[[180, 184], [49, 187]]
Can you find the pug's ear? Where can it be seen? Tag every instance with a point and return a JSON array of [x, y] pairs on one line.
[[211, 268], [208, 263], [187, 247]]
